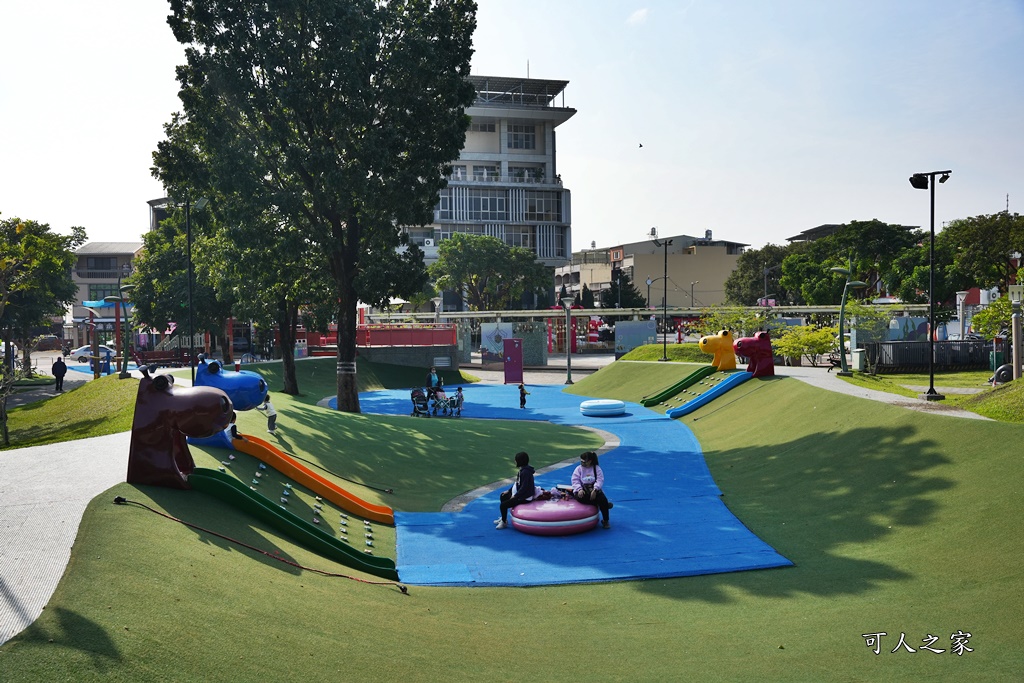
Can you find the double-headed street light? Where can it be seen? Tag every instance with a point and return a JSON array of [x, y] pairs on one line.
[[925, 181], [664, 301], [567, 305], [844, 370]]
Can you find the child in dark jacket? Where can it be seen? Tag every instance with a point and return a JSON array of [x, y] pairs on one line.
[[521, 491], [523, 393]]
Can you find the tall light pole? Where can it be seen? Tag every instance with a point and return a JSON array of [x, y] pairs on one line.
[[567, 305], [695, 282], [1016, 293], [925, 181], [200, 203], [664, 302], [844, 370]]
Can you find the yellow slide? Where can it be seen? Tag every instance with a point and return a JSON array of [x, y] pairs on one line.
[[272, 456]]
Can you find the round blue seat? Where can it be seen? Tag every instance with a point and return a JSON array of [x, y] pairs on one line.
[[603, 407]]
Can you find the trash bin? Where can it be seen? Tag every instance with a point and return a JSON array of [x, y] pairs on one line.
[[858, 359], [995, 359]]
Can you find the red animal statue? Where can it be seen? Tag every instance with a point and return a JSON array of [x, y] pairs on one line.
[[721, 346], [758, 349], [164, 416]]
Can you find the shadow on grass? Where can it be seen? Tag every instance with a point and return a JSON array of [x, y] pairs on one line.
[[821, 501], [215, 516], [74, 631]]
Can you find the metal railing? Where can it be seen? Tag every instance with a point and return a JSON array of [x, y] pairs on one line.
[[912, 356]]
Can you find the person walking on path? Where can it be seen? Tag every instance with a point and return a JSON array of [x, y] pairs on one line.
[[523, 393], [268, 408], [58, 370]]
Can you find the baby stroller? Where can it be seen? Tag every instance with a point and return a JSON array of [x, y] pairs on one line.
[[442, 404], [419, 403]]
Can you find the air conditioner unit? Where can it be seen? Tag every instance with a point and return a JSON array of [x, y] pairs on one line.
[[428, 243]]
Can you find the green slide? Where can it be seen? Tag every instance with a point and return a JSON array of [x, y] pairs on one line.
[[688, 381], [230, 490]]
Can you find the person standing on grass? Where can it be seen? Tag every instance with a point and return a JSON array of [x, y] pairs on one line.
[[58, 370], [268, 408]]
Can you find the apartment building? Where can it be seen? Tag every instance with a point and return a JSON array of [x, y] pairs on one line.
[[506, 182], [98, 271], [697, 269]]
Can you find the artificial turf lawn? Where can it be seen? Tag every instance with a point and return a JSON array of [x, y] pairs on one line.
[[896, 520]]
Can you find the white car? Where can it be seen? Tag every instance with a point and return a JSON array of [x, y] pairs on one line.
[[83, 353]]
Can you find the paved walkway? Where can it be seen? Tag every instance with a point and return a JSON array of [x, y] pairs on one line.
[[44, 489]]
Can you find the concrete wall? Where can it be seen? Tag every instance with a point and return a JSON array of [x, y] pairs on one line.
[[415, 356]]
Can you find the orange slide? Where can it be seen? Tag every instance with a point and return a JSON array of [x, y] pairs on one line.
[[272, 456]]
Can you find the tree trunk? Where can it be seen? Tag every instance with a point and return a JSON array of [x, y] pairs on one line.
[[348, 387], [287, 321]]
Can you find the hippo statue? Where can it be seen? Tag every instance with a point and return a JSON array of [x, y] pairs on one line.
[[721, 346], [758, 349], [245, 388], [164, 416]]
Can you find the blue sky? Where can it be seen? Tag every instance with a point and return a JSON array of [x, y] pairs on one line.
[[758, 118]]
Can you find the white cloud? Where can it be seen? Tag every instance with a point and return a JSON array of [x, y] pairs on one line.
[[638, 17]]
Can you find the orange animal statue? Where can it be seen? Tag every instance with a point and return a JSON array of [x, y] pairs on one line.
[[721, 346]]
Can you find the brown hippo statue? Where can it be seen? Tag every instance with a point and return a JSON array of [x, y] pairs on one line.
[[164, 416]]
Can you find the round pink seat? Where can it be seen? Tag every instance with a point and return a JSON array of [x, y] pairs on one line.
[[554, 517]]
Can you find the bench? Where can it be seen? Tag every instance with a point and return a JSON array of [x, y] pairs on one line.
[[172, 358]]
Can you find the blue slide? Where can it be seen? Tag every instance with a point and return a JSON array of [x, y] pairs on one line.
[[733, 380]]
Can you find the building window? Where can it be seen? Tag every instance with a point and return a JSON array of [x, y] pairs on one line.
[[459, 172], [481, 128], [486, 205], [522, 136], [520, 236], [485, 173], [443, 210], [542, 206], [97, 292]]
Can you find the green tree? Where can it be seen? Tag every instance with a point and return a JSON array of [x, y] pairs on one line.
[[623, 294], [339, 118], [586, 297], [982, 248], [805, 341], [994, 318], [492, 275], [160, 280], [35, 284], [758, 273]]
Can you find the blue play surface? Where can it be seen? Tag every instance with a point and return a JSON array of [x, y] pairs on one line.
[[668, 520]]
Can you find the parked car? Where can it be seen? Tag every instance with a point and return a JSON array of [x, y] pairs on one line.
[[239, 344], [83, 353], [50, 342]]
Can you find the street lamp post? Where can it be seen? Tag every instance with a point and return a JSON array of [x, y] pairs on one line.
[[1016, 293], [695, 282], [200, 203], [437, 309], [567, 305], [664, 302], [649, 283], [925, 181], [844, 370]]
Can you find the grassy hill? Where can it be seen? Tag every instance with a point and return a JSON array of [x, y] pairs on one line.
[[897, 521]]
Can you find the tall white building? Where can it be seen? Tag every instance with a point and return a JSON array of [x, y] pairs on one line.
[[506, 183]]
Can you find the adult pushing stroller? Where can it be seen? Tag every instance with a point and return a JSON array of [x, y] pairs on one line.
[[419, 403]]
